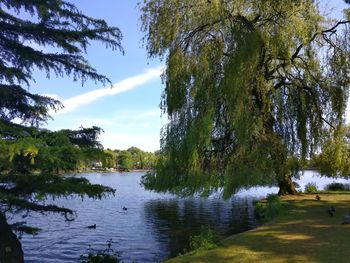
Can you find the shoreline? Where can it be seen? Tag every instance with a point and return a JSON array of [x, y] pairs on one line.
[[302, 232], [112, 171]]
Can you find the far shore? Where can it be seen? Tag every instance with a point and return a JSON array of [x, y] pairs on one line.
[[112, 170], [141, 170]]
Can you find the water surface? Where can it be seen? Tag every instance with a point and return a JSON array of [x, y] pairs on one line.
[[154, 227]]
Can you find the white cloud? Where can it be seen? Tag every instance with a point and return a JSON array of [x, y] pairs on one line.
[[52, 96], [119, 119], [122, 129], [122, 86]]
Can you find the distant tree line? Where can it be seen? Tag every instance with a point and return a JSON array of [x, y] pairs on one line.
[[50, 152], [66, 150], [130, 159]]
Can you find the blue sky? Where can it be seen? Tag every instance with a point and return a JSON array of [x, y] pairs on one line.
[[129, 112]]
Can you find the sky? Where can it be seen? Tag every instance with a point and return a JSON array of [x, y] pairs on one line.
[[129, 111]]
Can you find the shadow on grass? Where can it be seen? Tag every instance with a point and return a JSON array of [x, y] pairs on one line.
[[304, 233]]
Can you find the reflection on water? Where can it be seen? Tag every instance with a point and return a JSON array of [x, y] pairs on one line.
[[174, 221], [155, 226]]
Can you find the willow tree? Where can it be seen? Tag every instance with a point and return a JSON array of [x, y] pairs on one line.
[[252, 88], [51, 36]]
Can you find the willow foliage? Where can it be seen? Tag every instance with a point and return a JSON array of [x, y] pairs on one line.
[[251, 87]]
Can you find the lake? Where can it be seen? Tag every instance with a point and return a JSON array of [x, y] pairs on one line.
[[154, 226]]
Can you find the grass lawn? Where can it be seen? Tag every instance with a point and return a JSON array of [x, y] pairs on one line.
[[304, 232]]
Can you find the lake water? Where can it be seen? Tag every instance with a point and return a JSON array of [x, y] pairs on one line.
[[154, 227]]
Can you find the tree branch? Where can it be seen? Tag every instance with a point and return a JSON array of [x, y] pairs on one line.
[[330, 30]]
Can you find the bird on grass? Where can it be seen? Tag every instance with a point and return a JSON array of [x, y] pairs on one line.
[[318, 198], [331, 212], [346, 220], [92, 226]]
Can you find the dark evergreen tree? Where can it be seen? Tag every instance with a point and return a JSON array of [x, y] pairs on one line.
[[53, 39], [56, 24]]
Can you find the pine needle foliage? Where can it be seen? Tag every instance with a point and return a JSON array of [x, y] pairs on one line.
[[51, 36]]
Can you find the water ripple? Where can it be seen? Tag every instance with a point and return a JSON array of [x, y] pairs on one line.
[[154, 227]]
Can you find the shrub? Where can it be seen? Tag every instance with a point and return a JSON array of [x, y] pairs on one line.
[[207, 239], [100, 256], [337, 187], [310, 188], [268, 208]]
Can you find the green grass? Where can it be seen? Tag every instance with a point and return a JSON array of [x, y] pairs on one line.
[[304, 232], [333, 192]]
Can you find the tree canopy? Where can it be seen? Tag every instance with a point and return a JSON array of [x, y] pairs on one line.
[[51, 36], [252, 88], [135, 158], [54, 40]]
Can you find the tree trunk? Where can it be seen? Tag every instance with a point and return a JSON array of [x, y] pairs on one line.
[[286, 186], [10, 247]]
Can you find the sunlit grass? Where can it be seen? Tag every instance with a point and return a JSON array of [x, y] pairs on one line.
[[305, 232]]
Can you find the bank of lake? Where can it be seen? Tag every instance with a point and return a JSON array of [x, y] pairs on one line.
[[303, 232]]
